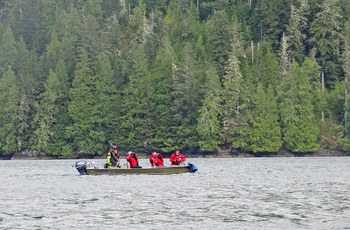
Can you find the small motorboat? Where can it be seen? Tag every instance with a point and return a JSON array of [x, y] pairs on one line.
[[85, 168]]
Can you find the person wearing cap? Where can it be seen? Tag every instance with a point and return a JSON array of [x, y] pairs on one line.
[[113, 151], [156, 159], [176, 158], [133, 160]]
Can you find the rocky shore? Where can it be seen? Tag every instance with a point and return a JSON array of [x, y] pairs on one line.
[[191, 153]]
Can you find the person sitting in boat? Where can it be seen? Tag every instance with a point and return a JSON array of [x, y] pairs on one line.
[[108, 160], [176, 158], [114, 159], [156, 159], [133, 160]]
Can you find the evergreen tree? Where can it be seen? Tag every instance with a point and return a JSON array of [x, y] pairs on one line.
[[346, 68], [51, 113], [312, 69], [345, 141], [94, 8], [2, 29], [265, 67], [137, 128], [110, 7], [185, 96], [269, 19], [92, 40], [50, 9], [156, 5], [59, 144], [232, 86], [47, 111], [7, 49], [88, 106], [219, 37], [297, 30], [334, 105], [27, 23], [264, 134], [50, 57], [297, 115], [285, 59], [326, 37], [25, 68], [68, 29], [9, 104], [107, 106], [161, 81], [209, 125], [179, 25]]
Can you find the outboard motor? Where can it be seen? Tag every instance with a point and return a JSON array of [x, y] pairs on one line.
[[192, 167], [80, 166]]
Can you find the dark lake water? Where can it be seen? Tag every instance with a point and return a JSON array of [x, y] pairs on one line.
[[244, 193]]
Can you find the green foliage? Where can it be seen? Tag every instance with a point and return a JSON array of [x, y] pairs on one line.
[[7, 49], [265, 133], [25, 68], [161, 80], [27, 18], [209, 125], [94, 8], [297, 30], [296, 107], [218, 39], [136, 126], [186, 78], [334, 102], [51, 113], [345, 143], [331, 134], [232, 89], [9, 101], [265, 67], [47, 111], [326, 37], [269, 25], [77, 75], [90, 98]]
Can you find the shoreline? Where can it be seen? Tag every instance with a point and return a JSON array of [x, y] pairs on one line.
[[37, 155]]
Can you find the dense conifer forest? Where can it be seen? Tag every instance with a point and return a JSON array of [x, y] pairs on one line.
[[255, 75]]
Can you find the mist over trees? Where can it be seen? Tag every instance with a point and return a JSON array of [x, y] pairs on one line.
[[256, 75]]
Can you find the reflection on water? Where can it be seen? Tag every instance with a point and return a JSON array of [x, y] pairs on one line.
[[250, 193]]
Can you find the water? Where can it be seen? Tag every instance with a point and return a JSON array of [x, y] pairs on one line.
[[247, 193]]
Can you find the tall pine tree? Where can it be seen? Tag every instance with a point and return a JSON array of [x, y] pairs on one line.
[[209, 125], [297, 112], [9, 104], [265, 132]]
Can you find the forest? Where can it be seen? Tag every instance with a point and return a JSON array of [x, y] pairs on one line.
[[253, 75]]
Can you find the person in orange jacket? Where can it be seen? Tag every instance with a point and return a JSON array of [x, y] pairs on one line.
[[133, 160], [176, 158], [156, 159]]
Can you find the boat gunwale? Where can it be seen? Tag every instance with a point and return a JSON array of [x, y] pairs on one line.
[[155, 170]]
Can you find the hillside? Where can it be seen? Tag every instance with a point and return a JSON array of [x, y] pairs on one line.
[[255, 76]]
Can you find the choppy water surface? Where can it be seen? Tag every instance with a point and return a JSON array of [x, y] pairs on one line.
[[254, 193]]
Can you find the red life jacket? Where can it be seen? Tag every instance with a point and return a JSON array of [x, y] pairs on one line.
[[133, 160]]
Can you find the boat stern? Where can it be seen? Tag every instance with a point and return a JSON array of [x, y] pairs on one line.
[[192, 167], [80, 166]]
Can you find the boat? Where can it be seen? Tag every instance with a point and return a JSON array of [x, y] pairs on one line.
[[85, 168]]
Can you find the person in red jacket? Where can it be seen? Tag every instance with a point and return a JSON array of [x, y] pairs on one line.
[[156, 159], [133, 160], [176, 158]]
